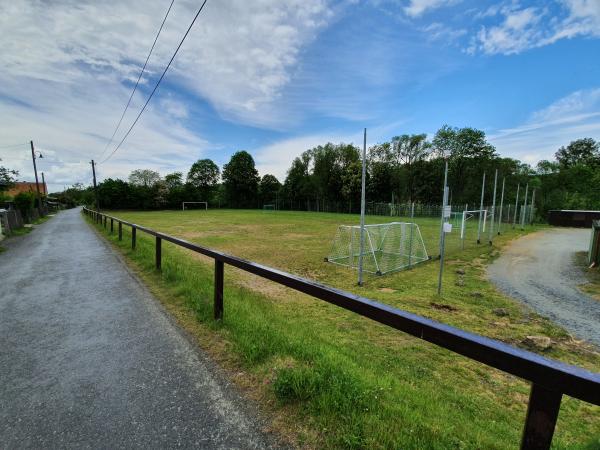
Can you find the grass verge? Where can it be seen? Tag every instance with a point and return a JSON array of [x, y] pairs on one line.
[[331, 379]]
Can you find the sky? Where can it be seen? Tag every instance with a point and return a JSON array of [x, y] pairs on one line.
[[276, 78]]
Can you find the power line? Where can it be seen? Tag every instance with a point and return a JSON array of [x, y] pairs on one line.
[[157, 84], [138, 80]]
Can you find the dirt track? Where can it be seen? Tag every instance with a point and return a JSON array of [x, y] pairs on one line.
[[540, 270]]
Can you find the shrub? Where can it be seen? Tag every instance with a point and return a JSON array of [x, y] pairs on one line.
[[24, 202]]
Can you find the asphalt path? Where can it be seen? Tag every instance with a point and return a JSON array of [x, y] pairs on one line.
[[540, 270], [88, 358]]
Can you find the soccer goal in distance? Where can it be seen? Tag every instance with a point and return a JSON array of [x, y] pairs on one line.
[[269, 207], [194, 205], [388, 247], [473, 222]]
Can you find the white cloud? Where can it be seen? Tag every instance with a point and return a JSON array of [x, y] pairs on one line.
[[574, 116], [416, 8], [526, 28], [65, 64]]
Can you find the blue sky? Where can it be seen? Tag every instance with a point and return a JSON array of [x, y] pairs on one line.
[[276, 78]]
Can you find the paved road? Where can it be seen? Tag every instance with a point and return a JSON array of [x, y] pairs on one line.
[[88, 359], [539, 269]]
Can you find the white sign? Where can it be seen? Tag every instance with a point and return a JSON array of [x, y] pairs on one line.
[[447, 227], [447, 211]]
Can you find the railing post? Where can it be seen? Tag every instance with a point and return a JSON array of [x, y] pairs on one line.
[[105, 222], [120, 231], [542, 413], [219, 269], [111, 225], [158, 252], [133, 233]]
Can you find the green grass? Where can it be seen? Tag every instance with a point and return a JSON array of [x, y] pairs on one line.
[[330, 378]]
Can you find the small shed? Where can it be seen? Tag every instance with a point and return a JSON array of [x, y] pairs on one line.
[[572, 217]]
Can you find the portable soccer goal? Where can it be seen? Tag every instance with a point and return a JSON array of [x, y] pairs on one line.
[[194, 205], [388, 247], [473, 221], [268, 207]]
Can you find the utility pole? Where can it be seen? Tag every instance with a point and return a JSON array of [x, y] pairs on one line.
[[362, 210], [44, 184], [95, 186], [37, 183]]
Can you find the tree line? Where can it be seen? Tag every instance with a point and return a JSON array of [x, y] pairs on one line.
[[408, 168]]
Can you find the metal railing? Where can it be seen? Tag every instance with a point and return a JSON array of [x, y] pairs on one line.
[[550, 379]]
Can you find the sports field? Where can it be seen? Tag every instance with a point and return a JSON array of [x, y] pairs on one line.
[[329, 378]]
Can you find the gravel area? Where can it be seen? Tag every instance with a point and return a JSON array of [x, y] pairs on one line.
[[540, 270]]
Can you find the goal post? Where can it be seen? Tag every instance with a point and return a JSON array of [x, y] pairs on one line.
[[201, 205], [269, 207], [388, 247], [472, 216]]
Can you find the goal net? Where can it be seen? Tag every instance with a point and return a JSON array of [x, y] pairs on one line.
[[388, 247], [268, 207], [473, 223], [194, 205]]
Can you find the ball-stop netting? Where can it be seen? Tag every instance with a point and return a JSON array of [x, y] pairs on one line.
[[388, 247]]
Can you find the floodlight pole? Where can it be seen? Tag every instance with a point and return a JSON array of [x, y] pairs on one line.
[[362, 210], [530, 208], [501, 206], [524, 211], [493, 209], [480, 210], [442, 231], [516, 207]]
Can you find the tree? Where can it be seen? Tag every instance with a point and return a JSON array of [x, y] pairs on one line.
[[174, 180], [462, 142], [268, 188], [144, 177], [580, 151], [7, 177], [203, 174], [240, 181]]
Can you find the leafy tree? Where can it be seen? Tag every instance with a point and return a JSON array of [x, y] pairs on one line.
[[144, 177], [581, 151], [203, 174], [268, 188], [7, 177], [298, 183], [174, 180], [24, 202], [240, 180]]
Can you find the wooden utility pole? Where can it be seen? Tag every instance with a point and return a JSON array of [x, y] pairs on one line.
[[95, 186], [44, 184], [37, 183]]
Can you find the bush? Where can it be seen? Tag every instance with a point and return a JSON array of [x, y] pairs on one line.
[[24, 202]]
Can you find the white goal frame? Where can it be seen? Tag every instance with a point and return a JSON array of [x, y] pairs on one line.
[[469, 214], [374, 245], [195, 203]]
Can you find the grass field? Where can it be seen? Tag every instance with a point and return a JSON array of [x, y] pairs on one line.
[[329, 378]]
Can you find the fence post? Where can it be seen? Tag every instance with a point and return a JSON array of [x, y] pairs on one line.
[[158, 252], [111, 225], [120, 231], [105, 222], [219, 269], [542, 413], [133, 233]]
